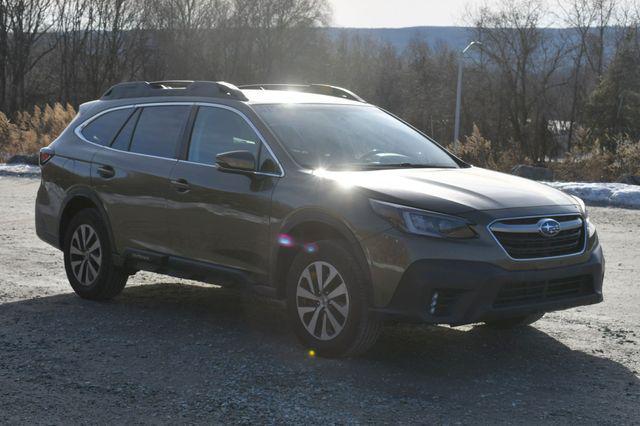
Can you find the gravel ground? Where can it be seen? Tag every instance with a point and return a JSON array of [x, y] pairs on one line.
[[171, 351]]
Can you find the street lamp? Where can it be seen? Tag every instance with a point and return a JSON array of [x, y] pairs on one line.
[[456, 130]]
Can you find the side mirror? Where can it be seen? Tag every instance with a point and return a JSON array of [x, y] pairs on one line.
[[242, 161]]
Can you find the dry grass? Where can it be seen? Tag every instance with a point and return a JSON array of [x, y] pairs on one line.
[[590, 160], [28, 132]]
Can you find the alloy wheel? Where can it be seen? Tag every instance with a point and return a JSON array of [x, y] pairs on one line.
[[85, 254], [322, 299]]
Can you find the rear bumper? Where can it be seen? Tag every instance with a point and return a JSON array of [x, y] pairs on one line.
[[470, 292], [46, 218]]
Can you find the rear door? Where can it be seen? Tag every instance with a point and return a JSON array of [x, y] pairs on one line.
[[131, 176], [216, 216]]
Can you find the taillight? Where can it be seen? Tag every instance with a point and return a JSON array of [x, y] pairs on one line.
[[46, 154]]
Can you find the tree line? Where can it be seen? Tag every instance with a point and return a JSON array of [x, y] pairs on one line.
[[531, 92], [72, 50]]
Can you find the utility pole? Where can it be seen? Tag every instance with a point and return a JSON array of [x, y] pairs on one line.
[[456, 130]]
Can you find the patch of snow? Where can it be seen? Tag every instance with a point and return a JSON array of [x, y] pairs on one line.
[[602, 194], [19, 170]]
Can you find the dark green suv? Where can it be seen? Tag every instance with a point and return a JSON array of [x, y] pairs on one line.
[[309, 195]]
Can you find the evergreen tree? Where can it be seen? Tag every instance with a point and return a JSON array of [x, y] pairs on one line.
[[614, 106]]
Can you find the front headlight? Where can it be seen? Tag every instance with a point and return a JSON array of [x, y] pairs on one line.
[[581, 204], [422, 222], [591, 228]]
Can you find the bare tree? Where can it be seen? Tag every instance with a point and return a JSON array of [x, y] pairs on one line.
[[111, 31], [183, 32], [72, 41], [4, 51], [263, 35], [28, 23], [527, 61], [581, 17]]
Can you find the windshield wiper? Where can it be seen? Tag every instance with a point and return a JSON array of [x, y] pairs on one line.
[[383, 166], [401, 166], [415, 166]]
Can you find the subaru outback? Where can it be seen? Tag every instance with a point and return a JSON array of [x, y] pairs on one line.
[[307, 194]]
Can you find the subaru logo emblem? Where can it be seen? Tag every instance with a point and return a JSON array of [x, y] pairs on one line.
[[549, 227]]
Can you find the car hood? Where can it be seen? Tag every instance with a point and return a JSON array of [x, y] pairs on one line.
[[450, 190]]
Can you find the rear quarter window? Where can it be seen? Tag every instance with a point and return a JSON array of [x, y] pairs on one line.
[[123, 139], [104, 128]]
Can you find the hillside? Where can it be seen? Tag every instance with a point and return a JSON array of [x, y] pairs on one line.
[[454, 37], [400, 37]]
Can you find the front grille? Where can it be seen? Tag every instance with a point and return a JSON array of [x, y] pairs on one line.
[[521, 239], [543, 291]]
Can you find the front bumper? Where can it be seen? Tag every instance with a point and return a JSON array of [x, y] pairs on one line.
[[470, 292]]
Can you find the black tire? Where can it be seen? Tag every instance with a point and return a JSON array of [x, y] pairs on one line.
[[109, 280], [361, 328], [509, 323]]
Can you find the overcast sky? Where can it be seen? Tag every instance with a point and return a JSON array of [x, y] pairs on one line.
[[413, 13], [397, 13]]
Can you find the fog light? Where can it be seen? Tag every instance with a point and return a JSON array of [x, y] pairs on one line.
[[434, 303]]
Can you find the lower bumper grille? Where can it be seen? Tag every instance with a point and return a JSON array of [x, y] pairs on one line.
[[443, 301], [543, 291]]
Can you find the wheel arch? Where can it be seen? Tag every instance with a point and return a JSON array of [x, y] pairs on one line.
[[307, 227], [77, 200]]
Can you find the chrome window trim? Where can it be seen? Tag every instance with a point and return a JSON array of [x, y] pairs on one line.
[[78, 129], [81, 126], [584, 230]]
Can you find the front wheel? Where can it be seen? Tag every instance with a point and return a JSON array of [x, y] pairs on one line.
[[327, 302]]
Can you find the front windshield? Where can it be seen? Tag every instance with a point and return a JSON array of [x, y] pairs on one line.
[[350, 137]]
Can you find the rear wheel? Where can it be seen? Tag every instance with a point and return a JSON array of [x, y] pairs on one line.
[[505, 324], [327, 302], [88, 259]]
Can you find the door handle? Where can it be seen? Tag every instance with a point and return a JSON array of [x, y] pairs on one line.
[[181, 185], [106, 172]]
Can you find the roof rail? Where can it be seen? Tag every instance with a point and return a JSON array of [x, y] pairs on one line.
[[319, 89], [144, 89]]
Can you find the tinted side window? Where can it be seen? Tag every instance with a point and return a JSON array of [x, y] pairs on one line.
[[218, 130], [123, 139], [159, 130], [103, 129]]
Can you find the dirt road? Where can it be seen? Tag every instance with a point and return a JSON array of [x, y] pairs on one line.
[[170, 351]]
